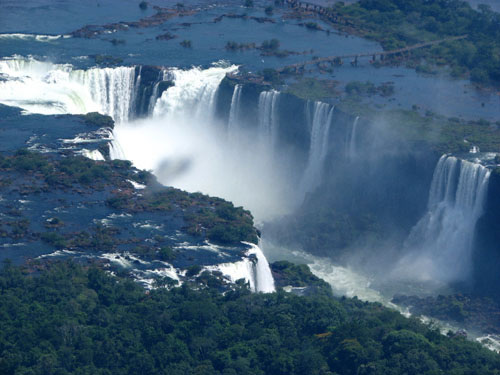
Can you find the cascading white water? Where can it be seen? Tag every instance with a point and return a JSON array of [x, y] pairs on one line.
[[46, 88], [31, 85], [256, 273], [318, 146], [268, 117], [180, 117], [180, 135], [112, 88], [350, 152], [234, 111], [36, 37], [193, 95], [243, 269], [263, 277], [187, 146], [439, 246]]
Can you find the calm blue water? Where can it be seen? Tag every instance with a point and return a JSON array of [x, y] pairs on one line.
[[64, 16], [442, 95], [208, 40], [438, 94]]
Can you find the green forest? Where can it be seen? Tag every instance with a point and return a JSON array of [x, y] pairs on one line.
[[400, 23], [70, 319]]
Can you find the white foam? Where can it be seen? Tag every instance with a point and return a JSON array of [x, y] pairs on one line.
[[47, 88], [243, 269], [137, 185], [34, 37], [58, 253], [93, 154]]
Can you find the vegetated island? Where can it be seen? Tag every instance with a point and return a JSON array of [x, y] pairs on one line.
[[398, 24]]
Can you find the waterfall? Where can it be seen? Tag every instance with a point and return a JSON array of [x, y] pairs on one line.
[[243, 269], [318, 146], [162, 76], [113, 89], [179, 138], [263, 277], [268, 117], [193, 95], [441, 242], [46, 88], [256, 273], [232, 124], [350, 142], [136, 95]]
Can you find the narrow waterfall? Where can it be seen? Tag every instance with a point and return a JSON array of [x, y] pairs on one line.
[[46, 88], [263, 277], [256, 273], [136, 94], [318, 146], [268, 117], [162, 76], [350, 152], [441, 242], [234, 111]]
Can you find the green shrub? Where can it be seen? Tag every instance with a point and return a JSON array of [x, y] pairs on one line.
[[54, 239]]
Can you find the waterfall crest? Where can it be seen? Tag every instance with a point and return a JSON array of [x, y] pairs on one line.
[[441, 243], [318, 147]]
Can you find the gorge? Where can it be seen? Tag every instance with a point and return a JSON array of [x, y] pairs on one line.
[[199, 130], [165, 163]]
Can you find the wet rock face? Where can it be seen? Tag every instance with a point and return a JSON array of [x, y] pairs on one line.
[[151, 85], [486, 258], [57, 203]]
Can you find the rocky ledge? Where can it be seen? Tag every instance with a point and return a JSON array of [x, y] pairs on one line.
[[62, 197]]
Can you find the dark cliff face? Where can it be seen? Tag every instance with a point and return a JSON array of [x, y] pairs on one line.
[[384, 176], [293, 133], [486, 256], [370, 203], [150, 87], [374, 184], [373, 189]]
